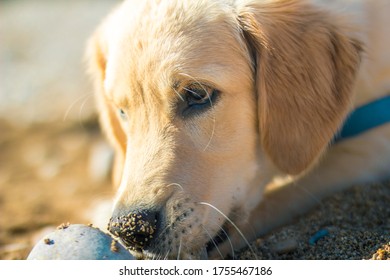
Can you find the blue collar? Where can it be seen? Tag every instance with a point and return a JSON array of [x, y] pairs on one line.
[[365, 118]]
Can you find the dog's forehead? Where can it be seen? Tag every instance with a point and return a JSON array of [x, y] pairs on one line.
[[157, 44]]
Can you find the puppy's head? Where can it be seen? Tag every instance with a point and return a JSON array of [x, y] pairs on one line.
[[202, 99]]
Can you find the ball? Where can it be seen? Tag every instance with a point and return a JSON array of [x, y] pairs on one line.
[[79, 242]]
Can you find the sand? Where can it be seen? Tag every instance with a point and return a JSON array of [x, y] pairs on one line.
[[355, 225]]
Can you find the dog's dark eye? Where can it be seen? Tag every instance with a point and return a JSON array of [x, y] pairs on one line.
[[122, 114], [197, 96], [200, 97]]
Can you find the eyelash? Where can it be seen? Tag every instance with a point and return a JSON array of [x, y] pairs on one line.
[[198, 98]]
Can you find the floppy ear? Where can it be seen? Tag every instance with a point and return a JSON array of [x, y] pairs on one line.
[[96, 59], [305, 70]]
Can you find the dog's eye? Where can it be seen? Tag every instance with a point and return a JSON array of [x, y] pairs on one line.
[[122, 114], [196, 99], [198, 95]]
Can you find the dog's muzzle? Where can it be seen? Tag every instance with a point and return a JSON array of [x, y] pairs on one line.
[[136, 229]]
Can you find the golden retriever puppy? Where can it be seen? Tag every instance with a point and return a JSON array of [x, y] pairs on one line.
[[224, 115]]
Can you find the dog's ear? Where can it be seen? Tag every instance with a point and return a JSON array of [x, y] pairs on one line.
[[96, 63], [305, 70]]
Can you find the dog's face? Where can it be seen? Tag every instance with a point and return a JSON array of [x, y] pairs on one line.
[[202, 101]]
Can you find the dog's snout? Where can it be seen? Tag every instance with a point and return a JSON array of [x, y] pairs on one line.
[[136, 229]]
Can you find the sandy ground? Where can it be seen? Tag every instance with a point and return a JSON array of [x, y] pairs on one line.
[[54, 164], [48, 175], [351, 225]]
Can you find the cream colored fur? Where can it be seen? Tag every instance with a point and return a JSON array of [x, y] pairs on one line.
[[287, 71]]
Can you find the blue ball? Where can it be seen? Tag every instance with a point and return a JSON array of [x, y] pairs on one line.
[[79, 242]]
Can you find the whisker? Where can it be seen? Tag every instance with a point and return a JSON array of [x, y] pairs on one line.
[[179, 250], [83, 105], [212, 240], [159, 256], [229, 240], [310, 194], [213, 131], [211, 105], [164, 230], [214, 119], [87, 95], [167, 254], [233, 224], [177, 185]]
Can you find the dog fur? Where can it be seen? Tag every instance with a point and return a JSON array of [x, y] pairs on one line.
[[285, 73]]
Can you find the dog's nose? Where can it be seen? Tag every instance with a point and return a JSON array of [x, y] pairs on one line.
[[136, 229]]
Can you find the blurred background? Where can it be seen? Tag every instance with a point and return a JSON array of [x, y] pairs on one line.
[[54, 162]]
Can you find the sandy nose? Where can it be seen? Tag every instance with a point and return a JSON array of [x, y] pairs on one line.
[[136, 229]]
